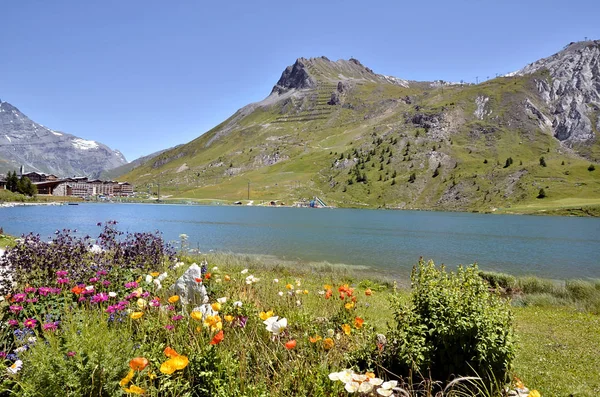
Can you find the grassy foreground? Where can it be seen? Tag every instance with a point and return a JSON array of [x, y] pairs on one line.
[[154, 345]]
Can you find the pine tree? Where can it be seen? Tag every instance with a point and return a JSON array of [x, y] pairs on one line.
[[542, 161], [541, 194]]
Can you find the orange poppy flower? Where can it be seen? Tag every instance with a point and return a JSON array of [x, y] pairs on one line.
[[315, 339], [368, 292], [138, 363], [207, 276], [327, 343], [77, 290], [169, 352], [290, 344], [173, 299], [328, 294], [133, 389], [358, 322], [125, 381], [217, 338], [198, 279], [227, 277]]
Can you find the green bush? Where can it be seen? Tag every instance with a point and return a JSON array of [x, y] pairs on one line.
[[536, 285], [453, 326], [582, 290]]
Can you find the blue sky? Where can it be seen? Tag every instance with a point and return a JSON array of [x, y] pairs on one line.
[[141, 76]]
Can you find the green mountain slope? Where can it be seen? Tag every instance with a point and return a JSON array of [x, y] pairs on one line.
[[355, 138]]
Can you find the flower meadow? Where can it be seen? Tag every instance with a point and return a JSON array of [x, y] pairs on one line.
[[105, 319]]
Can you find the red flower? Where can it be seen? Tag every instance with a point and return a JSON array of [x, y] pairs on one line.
[[217, 339], [328, 294], [290, 344], [198, 279], [77, 290], [207, 276]]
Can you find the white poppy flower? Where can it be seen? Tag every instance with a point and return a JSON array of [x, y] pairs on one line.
[[16, 367], [275, 326], [148, 279], [352, 387], [365, 387], [244, 271], [386, 388], [222, 300], [237, 303], [112, 294]]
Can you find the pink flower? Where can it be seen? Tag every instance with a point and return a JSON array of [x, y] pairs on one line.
[[31, 290], [146, 294], [32, 300], [155, 303], [131, 284], [44, 291], [169, 327], [50, 326], [101, 297], [101, 273], [94, 280], [16, 309], [106, 283], [30, 323], [55, 291], [71, 354], [19, 297], [62, 273], [13, 323], [177, 317], [63, 281]]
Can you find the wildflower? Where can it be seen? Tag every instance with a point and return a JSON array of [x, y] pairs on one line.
[[30, 323], [15, 367], [106, 283], [155, 302], [358, 322], [15, 309], [344, 376], [349, 305], [330, 332], [387, 388], [19, 298], [169, 352], [101, 297], [173, 364], [173, 299], [328, 294], [62, 273], [305, 292], [177, 317], [280, 293], [213, 322], [237, 304], [207, 276], [244, 271], [227, 277], [290, 344], [112, 294], [127, 378], [131, 284], [101, 273], [314, 339], [94, 280], [275, 280], [169, 327], [534, 393], [63, 281], [148, 279], [138, 363], [240, 321], [77, 290], [141, 303], [217, 338], [216, 306], [154, 274], [13, 323], [30, 290], [44, 291], [196, 315], [368, 292], [32, 300], [215, 269], [251, 279], [228, 318], [265, 315], [275, 326], [289, 286], [346, 328], [133, 389], [222, 300], [71, 354], [50, 326], [136, 315], [298, 292], [198, 279]]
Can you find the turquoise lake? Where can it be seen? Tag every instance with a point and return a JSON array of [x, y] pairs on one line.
[[389, 242]]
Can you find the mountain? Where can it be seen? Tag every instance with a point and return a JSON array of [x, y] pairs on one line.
[[353, 137], [114, 173], [25, 142]]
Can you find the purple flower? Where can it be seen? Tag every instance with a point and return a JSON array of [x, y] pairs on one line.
[[94, 280], [81, 299], [146, 294], [44, 291], [111, 309], [30, 290], [101, 297], [13, 323], [132, 284], [240, 321], [71, 354], [170, 307], [101, 273], [55, 291], [15, 309], [2, 354], [63, 281], [30, 323], [32, 300], [177, 317], [169, 327], [19, 297], [106, 283], [62, 273], [155, 303], [50, 326]]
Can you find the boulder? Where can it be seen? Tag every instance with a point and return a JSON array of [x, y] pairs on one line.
[[189, 290]]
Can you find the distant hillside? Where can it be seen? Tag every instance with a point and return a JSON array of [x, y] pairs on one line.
[[25, 142], [115, 173], [339, 131]]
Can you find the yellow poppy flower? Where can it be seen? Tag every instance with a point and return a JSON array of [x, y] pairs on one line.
[[127, 379], [173, 364], [315, 339], [289, 286], [155, 274], [534, 393], [136, 315], [173, 299], [133, 389], [196, 315], [213, 322], [265, 315], [347, 329], [227, 277], [216, 306], [142, 303], [349, 305], [228, 318]]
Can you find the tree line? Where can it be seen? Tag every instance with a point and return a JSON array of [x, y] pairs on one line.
[[21, 185]]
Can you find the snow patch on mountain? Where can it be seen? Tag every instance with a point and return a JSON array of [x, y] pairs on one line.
[[83, 144]]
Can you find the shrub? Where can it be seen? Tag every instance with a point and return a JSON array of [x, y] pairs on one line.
[[591, 167], [453, 326], [501, 280], [541, 194]]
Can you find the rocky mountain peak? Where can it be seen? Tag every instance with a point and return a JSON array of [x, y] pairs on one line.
[[569, 83]]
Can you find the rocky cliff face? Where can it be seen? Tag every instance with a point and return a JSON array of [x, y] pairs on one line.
[[25, 142], [569, 83]]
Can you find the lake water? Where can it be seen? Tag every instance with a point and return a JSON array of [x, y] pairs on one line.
[[387, 241]]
